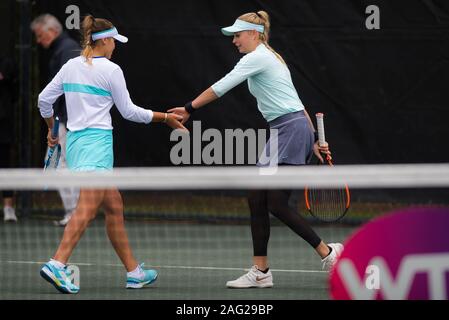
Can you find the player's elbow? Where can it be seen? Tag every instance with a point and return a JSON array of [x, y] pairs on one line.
[[128, 114], [218, 90], [45, 107], [40, 99]]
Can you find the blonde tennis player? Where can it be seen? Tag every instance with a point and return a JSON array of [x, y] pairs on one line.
[[92, 84], [269, 80]]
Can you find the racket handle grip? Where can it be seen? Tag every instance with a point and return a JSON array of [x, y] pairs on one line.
[[55, 130], [320, 127]]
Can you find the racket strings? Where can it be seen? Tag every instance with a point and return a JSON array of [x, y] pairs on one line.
[[52, 160], [328, 204], [52, 163]]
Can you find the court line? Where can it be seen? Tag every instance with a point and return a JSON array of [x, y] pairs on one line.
[[166, 267]]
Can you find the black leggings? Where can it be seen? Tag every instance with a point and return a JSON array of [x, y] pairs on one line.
[[261, 202], [7, 194]]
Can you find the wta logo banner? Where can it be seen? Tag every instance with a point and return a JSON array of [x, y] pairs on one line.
[[403, 255]]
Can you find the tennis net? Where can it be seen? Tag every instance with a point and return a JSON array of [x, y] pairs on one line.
[[192, 225]]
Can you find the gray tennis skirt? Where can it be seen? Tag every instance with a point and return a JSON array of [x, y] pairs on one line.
[[294, 141]]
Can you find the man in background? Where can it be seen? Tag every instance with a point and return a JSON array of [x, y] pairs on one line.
[[51, 36], [8, 77]]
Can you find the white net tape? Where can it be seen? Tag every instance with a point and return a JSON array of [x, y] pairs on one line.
[[183, 178]]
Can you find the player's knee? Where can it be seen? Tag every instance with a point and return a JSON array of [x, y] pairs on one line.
[[91, 214], [85, 214], [114, 211], [114, 208]]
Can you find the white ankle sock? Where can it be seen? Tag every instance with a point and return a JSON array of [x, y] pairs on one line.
[[57, 264], [136, 273]]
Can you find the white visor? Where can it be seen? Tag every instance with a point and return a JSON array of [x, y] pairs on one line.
[[110, 33], [240, 25]]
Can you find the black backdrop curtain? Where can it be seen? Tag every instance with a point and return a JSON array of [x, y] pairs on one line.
[[384, 92]]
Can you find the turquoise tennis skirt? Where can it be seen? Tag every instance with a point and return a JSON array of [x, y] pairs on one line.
[[90, 150]]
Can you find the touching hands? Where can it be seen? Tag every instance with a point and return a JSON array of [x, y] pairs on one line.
[[180, 111], [175, 121]]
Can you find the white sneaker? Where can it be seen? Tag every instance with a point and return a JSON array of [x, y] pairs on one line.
[[331, 259], [63, 222], [253, 279], [9, 214]]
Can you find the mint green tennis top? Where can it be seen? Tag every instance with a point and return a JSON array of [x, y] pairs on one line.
[[269, 81]]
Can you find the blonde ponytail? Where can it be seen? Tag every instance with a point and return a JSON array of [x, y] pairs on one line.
[[87, 42], [91, 25]]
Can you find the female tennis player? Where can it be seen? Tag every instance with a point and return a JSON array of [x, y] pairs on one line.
[[269, 80], [92, 84]]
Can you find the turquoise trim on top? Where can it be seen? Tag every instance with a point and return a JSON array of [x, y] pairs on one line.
[[83, 88], [104, 31], [104, 34]]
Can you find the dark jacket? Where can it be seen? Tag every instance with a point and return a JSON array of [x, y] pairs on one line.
[[62, 50], [8, 97]]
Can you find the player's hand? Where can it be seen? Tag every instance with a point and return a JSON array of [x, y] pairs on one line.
[[319, 150], [175, 121], [180, 111], [50, 140]]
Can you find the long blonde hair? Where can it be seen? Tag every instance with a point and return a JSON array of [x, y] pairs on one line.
[[91, 25], [262, 18]]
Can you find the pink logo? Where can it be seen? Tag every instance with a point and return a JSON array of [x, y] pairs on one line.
[[403, 255]]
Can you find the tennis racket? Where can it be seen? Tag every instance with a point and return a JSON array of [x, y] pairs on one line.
[[54, 153], [327, 205]]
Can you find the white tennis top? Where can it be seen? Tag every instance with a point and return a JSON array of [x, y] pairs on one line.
[[269, 80], [90, 92]]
